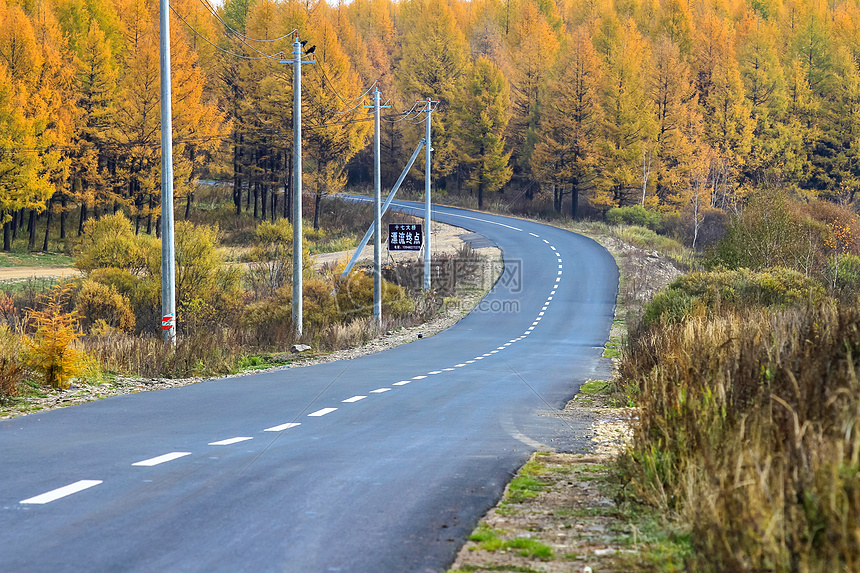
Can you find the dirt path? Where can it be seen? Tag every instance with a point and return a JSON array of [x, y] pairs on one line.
[[18, 273]]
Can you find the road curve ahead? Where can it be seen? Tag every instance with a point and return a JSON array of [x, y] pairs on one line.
[[379, 464]]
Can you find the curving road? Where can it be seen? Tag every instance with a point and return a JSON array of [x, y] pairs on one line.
[[379, 464]]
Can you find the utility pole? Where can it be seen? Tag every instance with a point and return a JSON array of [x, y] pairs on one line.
[[377, 214], [297, 183], [427, 149], [168, 268]]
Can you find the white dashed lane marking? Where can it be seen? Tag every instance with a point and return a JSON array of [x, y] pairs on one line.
[[86, 484], [161, 459], [283, 427], [231, 441], [62, 492], [322, 412]]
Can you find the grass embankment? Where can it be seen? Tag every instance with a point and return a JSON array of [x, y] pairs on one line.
[[749, 409]]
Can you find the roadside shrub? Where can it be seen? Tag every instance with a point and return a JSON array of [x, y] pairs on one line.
[[209, 352], [51, 349], [355, 297], [714, 290], [201, 273], [111, 242], [634, 215], [11, 366], [100, 302], [271, 257]]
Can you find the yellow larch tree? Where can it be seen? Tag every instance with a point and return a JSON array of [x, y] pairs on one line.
[[335, 124], [571, 122]]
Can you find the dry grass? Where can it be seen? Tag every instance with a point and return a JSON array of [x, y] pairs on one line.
[[748, 428]]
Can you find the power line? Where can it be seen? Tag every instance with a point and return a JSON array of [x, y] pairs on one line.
[[320, 70], [238, 35], [211, 9], [208, 41]]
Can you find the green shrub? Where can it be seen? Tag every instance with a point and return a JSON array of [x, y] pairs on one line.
[[713, 290], [271, 257], [355, 297], [635, 215]]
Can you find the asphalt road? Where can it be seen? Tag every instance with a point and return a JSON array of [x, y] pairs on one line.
[[378, 464]]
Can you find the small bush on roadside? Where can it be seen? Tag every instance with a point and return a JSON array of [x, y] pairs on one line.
[[100, 302], [634, 215], [51, 349], [110, 242], [11, 365], [845, 273]]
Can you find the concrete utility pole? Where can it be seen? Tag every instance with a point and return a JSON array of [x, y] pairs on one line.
[[377, 213], [377, 216], [297, 184], [427, 149], [168, 268]]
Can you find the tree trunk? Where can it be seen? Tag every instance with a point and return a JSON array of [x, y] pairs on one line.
[[317, 200], [188, 201], [237, 179], [256, 199], [7, 234], [264, 200], [64, 203], [15, 223], [48, 222], [574, 200], [150, 205], [31, 227], [274, 209], [83, 218]]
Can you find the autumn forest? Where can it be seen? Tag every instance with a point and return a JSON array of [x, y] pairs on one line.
[[671, 105]]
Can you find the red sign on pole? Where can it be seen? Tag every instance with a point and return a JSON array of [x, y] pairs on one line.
[[168, 322]]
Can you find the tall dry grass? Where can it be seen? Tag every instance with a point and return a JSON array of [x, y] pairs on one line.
[[748, 428]]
